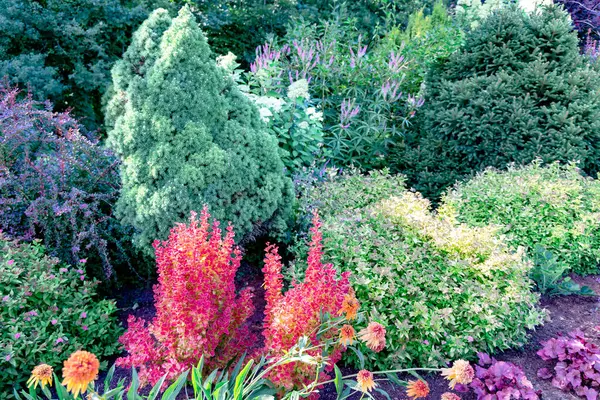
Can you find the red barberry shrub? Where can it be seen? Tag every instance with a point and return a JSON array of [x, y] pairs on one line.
[[197, 310], [297, 312]]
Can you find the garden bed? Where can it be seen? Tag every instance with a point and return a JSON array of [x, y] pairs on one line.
[[566, 313]]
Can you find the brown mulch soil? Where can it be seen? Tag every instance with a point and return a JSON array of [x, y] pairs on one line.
[[566, 313]]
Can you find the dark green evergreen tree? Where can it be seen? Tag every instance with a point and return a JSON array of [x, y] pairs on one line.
[[518, 90], [188, 137], [64, 50]]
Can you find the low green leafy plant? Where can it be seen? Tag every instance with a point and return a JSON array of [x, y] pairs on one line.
[[442, 289], [548, 275], [47, 311], [552, 205]]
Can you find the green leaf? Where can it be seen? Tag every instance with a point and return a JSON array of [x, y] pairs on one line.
[[173, 390], [132, 393], [360, 355], [338, 381], [239, 381], [393, 377], [156, 388]]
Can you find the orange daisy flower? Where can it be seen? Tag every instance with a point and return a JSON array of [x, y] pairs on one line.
[[365, 381], [449, 396], [461, 372], [79, 371], [350, 306], [373, 336], [417, 389], [347, 334], [42, 374]]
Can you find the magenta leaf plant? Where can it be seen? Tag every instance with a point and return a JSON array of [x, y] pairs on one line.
[[501, 380], [577, 365]]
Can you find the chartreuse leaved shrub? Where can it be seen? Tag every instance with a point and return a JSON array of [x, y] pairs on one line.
[[198, 312], [47, 311], [518, 90], [442, 290], [553, 206], [187, 136]]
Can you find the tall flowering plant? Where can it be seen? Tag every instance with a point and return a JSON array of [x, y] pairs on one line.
[[198, 313], [359, 89], [298, 312]]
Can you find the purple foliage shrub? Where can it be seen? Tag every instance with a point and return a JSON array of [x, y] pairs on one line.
[[577, 364], [501, 380], [57, 184], [585, 15]]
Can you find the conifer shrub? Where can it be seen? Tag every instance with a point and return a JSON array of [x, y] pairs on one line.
[[443, 290], [47, 311], [553, 206], [518, 90], [198, 313], [59, 185], [296, 313], [188, 137]]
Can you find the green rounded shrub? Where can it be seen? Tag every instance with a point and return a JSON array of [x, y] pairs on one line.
[[188, 137], [443, 290], [47, 311], [518, 90], [553, 206]]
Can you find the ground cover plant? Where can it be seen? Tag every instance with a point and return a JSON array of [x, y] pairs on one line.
[[499, 379], [59, 185], [47, 311], [435, 284], [577, 364], [188, 136], [506, 96], [553, 206]]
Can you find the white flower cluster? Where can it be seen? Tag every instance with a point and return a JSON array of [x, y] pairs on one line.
[[314, 115], [227, 61], [298, 89], [267, 105]]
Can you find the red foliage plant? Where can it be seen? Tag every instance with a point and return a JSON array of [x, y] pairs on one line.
[[197, 310], [297, 312]]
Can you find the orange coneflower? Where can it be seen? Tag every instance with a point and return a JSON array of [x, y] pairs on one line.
[[79, 371], [449, 396], [417, 389], [42, 374], [347, 334], [350, 306], [461, 372], [365, 381], [374, 336]]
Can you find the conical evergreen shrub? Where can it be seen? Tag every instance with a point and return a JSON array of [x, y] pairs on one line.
[[187, 137], [517, 91]]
